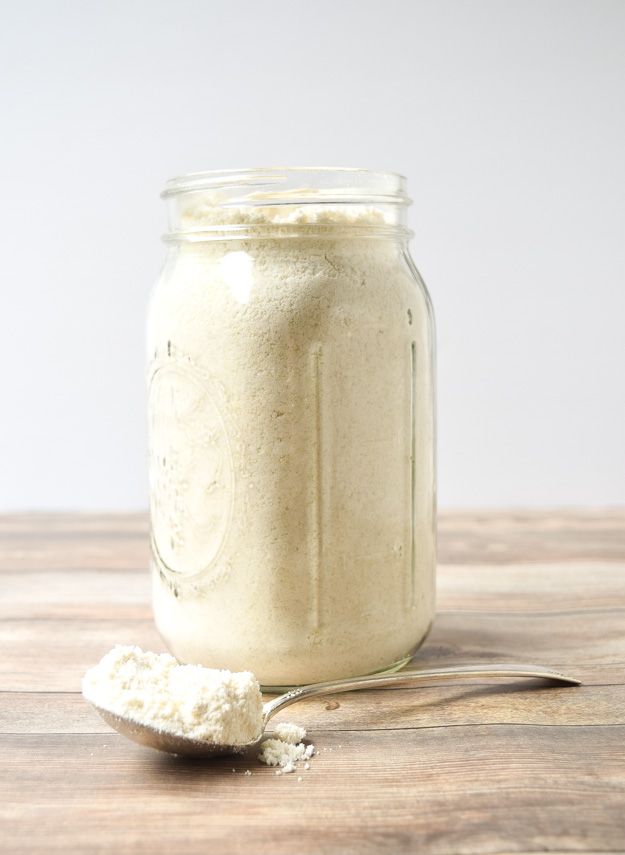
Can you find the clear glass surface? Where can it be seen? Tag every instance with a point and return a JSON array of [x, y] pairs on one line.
[[292, 438]]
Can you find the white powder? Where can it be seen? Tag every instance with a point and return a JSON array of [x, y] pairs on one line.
[[291, 534], [187, 700], [286, 750], [292, 733]]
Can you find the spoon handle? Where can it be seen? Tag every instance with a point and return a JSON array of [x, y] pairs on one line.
[[404, 678]]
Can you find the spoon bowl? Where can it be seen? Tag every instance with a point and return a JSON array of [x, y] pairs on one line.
[[174, 743], [167, 741]]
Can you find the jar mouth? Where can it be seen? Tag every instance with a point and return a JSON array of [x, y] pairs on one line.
[[282, 201], [293, 185]]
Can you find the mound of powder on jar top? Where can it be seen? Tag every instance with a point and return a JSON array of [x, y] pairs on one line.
[[210, 705]]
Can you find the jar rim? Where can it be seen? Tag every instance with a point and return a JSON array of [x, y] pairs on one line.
[[295, 185]]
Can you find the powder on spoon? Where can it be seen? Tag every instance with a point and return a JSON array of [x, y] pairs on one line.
[[210, 705], [221, 707]]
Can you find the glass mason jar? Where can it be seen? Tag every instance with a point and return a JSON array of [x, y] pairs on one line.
[[291, 418]]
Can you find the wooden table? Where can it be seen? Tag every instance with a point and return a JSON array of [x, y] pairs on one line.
[[479, 768]]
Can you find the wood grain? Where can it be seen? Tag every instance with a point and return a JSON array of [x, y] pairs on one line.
[[486, 767], [523, 702], [440, 790], [27, 593]]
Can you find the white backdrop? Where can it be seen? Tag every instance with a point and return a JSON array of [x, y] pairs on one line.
[[507, 116]]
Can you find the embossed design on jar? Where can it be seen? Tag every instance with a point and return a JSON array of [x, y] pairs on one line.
[[191, 469]]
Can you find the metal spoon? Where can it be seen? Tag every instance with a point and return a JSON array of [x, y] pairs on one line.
[[176, 744]]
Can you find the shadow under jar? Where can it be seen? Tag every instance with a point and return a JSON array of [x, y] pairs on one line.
[[291, 419]]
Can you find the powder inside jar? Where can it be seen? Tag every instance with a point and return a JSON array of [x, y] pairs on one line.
[[291, 442]]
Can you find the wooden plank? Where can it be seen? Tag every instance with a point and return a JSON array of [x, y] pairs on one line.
[[95, 594], [525, 702], [49, 526], [102, 593], [441, 790], [485, 767], [51, 655], [75, 541], [114, 554], [536, 587], [505, 538]]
